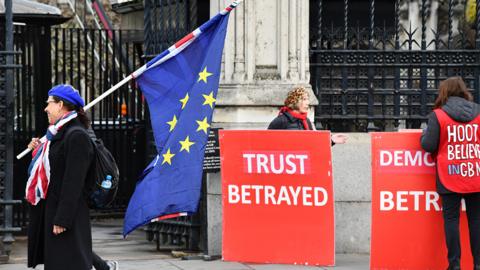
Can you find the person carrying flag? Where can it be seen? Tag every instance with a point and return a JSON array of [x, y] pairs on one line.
[[180, 86], [59, 232]]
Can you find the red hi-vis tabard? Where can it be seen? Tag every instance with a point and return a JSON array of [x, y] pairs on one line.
[[458, 157]]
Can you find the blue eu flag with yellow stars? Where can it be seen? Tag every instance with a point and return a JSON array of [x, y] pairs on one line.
[[180, 86]]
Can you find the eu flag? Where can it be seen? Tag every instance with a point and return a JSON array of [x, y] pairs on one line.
[[180, 86]]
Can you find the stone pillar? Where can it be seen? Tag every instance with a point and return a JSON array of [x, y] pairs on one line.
[[265, 55]]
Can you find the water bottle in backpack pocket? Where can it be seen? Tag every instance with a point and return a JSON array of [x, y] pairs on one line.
[[106, 177], [102, 196]]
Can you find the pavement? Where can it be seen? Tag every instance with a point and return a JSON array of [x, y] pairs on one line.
[[136, 252]]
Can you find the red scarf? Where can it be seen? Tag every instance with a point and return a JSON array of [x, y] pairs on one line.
[[300, 116]]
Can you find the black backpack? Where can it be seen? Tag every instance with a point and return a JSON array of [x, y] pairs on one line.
[[101, 196]]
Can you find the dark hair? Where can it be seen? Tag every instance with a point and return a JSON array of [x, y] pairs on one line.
[[82, 116], [452, 87]]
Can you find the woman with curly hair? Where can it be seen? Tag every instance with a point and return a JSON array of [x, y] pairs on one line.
[[293, 116]]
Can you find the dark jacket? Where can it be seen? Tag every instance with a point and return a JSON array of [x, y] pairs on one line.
[[287, 121], [71, 158], [460, 110]]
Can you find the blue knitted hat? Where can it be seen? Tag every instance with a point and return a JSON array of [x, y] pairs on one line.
[[67, 93]]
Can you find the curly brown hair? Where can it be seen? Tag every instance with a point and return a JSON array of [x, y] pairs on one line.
[[294, 96], [452, 87]]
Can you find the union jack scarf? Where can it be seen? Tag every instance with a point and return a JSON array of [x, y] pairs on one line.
[[39, 169]]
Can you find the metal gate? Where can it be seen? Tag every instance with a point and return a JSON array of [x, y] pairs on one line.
[[376, 65], [166, 21], [7, 66], [92, 63]]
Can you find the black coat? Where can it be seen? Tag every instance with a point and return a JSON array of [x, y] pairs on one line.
[[460, 110], [287, 121], [71, 158]]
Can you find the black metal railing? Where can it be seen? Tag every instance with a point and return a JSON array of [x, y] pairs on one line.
[[92, 63], [7, 92], [167, 21], [7, 226], [177, 233], [373, 74], [27, 118]]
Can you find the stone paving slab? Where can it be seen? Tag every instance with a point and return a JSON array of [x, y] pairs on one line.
[[344, 262], [136, 253], [210, 265]]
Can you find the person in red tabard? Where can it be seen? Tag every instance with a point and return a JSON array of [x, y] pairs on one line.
[[453, 137], [293, 116]]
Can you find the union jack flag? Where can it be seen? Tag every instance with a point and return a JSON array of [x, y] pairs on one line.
[[39, 169]]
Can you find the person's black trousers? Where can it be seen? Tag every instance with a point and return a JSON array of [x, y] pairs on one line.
[[451, 204], [98, 262]]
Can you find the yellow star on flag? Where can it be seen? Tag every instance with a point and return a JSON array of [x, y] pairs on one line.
[[203, 125], [209, 99], [184, 101], [172, 123], [167, 157], [186, 144], [202, 76]]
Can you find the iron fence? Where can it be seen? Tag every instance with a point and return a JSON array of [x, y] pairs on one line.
[[92, 63], [7, 226], [372, 74], [167, 21], [7, 66]]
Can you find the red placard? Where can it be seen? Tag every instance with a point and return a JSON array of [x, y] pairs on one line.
[[274, 213], [407, 223]]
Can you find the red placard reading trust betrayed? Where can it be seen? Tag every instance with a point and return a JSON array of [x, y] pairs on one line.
[[277, 197], [407, 224]]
